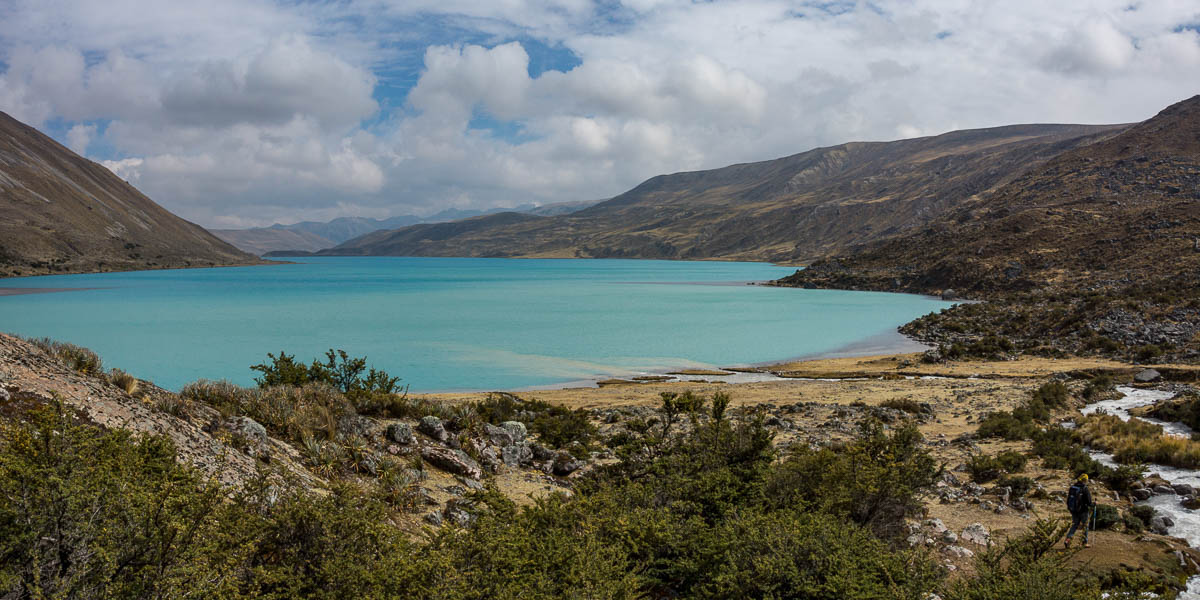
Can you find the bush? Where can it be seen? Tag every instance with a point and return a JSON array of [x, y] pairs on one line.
[[907, 405], [1143, 513], [1107, 516], [556, 426], [371, 391], [1020, 485], [984, 468], [1012, 461], [875, 481]]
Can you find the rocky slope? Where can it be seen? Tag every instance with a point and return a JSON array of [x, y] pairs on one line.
[[1097, 249], [62, 213], [796, 208]]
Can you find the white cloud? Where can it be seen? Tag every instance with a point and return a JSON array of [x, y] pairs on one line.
[[79, 136], [252, 111]]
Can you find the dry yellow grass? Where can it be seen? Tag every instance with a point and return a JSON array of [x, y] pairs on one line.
[[1135, 441]]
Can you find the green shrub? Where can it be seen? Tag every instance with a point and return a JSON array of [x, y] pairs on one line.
[[907, 405], [1012, 461], [1143, 513], [371, 391], [555, 425], [1020, 485], [1107, 516]]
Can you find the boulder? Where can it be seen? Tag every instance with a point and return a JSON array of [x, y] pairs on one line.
[[499, 436], [949, 295], [976, 533], [452, 461], [250, 430], [354, 425], [516, 429], [1184, 489], [1159, 525], [1141, 495], [958, 552], [936, 526], [949, 537], [432, 427], [4, 395], [516, 455], [1163, 489], [541, 452], [401, 433], [1189, 502], [434, 518], [565, 464], [1147, 376]]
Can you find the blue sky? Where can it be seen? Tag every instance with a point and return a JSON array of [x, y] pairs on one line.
[[237, 113]]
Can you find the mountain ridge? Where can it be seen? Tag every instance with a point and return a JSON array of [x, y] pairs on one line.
[[63, 213], [792, 209]]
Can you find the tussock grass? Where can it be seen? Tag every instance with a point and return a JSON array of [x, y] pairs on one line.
[[1135, 441], [78, 358], [124, 381], [294, 413]]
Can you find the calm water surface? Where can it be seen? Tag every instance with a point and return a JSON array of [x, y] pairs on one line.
[[452, 323]]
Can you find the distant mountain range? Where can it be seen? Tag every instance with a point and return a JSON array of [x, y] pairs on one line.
[[793, 209], [62, 213], [310, 236]]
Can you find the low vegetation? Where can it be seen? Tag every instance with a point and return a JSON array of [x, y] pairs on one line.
[[80, 359], [1134, 441]]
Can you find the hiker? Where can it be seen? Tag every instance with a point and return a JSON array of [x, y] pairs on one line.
[[1079, 502]]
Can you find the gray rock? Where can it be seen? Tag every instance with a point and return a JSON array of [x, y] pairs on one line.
[[1147, 376], [250, 430], [1158, 524], [354, 425], [1189, 502], [565, 464], [455, 513], [1141, 495], [976, 533], [949, 537], [1163, 489], [936, 526], [916, 539], [516, 429], [958, 552], [4, 395], [499, 436], [432, 427], [1184, 489], [516, 455], [470, 484], [949, 295], [434, 518], [541, 452], [401, 433], [452, 461]]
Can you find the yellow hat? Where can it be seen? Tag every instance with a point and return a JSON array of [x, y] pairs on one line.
[[1083, 477]]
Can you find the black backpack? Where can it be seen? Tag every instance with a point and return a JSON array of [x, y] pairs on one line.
[[1074, 497]]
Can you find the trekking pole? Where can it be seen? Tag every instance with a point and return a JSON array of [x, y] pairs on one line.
[[1094, 517]]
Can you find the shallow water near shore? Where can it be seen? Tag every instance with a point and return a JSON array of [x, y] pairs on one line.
[[455, 323]]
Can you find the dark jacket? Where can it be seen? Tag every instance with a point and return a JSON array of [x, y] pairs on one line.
[[1084, 503]]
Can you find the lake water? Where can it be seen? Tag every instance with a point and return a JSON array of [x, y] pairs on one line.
[[454, 323]]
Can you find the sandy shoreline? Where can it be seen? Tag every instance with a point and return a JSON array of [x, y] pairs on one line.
[[21, 291]]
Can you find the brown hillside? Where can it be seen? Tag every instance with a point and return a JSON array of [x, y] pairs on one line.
[[791, 209], [1106, 234], [62, 213]]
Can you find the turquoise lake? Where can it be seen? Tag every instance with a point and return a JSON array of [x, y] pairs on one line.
[[455, 323]]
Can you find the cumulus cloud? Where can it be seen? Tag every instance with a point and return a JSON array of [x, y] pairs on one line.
[[243, 112]]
